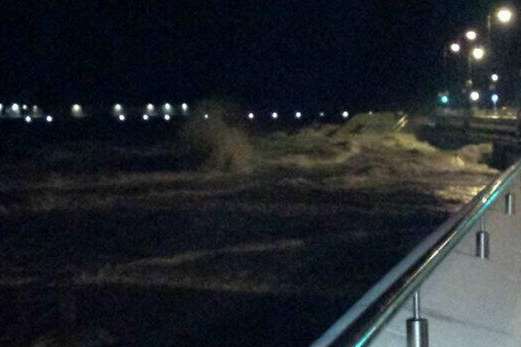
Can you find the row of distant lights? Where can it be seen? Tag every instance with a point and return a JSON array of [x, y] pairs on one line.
[[150, 108], [474, 96], [118, 110], [16, 108], [251, 116], [298, 115]]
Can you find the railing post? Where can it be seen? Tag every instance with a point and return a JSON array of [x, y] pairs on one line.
[[509, 204], [417, 327], [482, 241]]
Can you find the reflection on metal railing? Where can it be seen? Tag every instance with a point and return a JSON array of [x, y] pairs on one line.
[[382, 316]]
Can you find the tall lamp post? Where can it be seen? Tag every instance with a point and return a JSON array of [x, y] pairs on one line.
[[471, 36], [503, 16], [453, 48]]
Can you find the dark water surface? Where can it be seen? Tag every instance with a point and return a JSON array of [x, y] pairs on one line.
[[111, 243], [284, 281]]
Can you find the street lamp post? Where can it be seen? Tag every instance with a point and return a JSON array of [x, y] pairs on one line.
[[455, 48], [476, 54], [502, 16]]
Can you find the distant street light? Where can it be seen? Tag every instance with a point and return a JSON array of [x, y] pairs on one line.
[[471, 35], [28, 119], [150, 108], [118, 108], [24, 107], [145, 117], [495, 99], [504, 15], [251, 116], [166, 117], [345, 114], [474, 96], [121, 117], [274, 115], [455, 48], [15, 107], [184, 107], [206, 116], [167, 107], [49, 119], [444, 99], [478, 53], [76, 111], [494, 77], [298, 115], [322, 114]]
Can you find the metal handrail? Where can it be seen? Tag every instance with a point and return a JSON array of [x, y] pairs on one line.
[[362, 321]]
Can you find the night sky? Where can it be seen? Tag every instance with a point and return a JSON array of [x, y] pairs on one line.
[[357, 53]]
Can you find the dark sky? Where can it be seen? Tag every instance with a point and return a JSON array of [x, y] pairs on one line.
[[358, 53]]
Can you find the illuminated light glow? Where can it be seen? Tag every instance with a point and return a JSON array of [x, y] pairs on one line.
[[298, 115], [166, 117], [122, 117], [150, 108], [274, 115], [206, 116], [370, 113], [494, 98], [504, 15], [251, 116], [322, 114], [76, 108], [118, 108], [345, 114], [455, 47], [49, 119], [15, 107], [494, 77], [445, 99], [28, 119], [167, 106], [471, 35], [184, 106], [35, 108], [474, 96], [478, 53], [145, 117], [24, 107], [1, 107]]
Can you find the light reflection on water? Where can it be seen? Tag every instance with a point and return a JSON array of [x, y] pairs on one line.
[[458, 192]]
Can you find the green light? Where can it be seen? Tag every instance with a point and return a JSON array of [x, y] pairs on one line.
[[445, 99]]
